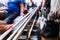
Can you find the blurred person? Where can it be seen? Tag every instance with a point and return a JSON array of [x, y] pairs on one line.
[[50, 27], [14, 9], [54, 14], [50, 30], [45, 7], [2, 10], [31, 4]]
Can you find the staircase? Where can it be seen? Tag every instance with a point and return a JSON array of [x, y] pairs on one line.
[[34, 33]]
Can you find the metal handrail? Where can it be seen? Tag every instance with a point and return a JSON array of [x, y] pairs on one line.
[[19, 26], [19, 32], [31, 28], [25, 19]]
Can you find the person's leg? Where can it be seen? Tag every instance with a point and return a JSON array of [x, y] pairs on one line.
[[38, 34], [47, 11], [5, 16], [10, 18]]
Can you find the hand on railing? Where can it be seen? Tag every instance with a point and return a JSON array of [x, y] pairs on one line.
[[9, 27], [4, 28]]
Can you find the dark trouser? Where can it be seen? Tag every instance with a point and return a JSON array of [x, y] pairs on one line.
[[9, 18]]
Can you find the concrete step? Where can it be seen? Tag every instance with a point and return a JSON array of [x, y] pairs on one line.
[[23, 37], [34, 37]]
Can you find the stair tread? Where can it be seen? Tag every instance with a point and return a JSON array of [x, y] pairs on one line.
[[34, 37], [34, 30], [23, 37]]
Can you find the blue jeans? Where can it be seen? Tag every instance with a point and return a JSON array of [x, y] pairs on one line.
[[9, 18]]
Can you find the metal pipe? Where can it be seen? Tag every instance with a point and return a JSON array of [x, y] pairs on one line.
[[31, 28], [19, 26], [19, 32], [18, 23]]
